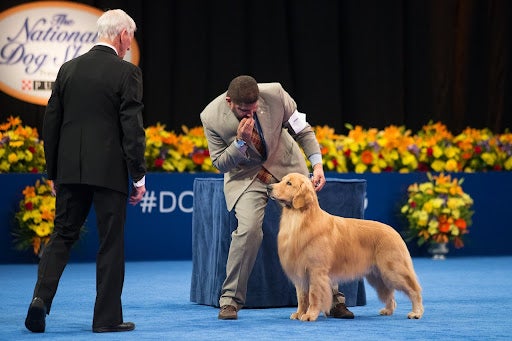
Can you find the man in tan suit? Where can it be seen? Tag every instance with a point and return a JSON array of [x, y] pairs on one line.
[[254, 134]]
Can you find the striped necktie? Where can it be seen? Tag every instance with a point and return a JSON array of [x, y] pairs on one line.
[[257, 142]]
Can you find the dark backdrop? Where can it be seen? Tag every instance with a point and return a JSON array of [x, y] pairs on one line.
[[367, 62]]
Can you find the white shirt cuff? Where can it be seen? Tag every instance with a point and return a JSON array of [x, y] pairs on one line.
[[141, 182]]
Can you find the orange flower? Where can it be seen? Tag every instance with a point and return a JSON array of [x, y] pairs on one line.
[[324, 150], [461, 223], [444, 227], [367, 157], [47, 215], [29, 192], [14, 121], [172, 139], [442, 179]]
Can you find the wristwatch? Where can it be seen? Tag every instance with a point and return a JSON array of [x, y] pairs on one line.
[[239, 143]]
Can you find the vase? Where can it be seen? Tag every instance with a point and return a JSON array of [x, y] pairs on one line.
[[438, 250]]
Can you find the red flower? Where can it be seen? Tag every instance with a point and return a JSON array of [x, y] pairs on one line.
[[347, 153], [29, 206], [478, 149], [159, 162], [31, 149], [430, 151], [198, 158], [422, 167]]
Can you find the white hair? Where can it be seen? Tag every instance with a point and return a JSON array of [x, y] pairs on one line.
[[113, 22]]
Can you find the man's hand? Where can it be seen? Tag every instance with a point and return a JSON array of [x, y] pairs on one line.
[[137, 194], [245, 128], [318, 177]]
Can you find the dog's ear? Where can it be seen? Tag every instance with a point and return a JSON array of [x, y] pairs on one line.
[[303, 197]]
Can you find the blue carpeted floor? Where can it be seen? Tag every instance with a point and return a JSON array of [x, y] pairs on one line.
[[465, 299]]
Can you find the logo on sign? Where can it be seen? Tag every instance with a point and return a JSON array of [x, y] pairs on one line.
[[37, 38]]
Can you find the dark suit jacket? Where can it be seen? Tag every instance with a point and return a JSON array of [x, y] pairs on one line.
[[93, 132], [283, 145]]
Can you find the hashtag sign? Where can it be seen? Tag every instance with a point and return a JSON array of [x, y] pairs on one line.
[[148, 202]]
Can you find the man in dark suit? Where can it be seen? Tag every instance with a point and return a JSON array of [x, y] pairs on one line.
[[94, 142]]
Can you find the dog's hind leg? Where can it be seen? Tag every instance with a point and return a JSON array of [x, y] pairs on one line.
[[320, 296], [410, 286], [302, 302], [403, 278], [385, 293]]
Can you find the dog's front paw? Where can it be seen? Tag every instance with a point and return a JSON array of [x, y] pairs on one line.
[[309, 317], [386, 311], [414, 315], [295, 316]]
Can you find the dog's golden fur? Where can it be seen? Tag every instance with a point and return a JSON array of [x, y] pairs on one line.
[[316, 248]]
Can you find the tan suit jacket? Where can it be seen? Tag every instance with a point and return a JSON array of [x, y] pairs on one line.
[[282, 144]]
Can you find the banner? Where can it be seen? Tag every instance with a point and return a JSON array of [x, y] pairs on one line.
[[37, 38]]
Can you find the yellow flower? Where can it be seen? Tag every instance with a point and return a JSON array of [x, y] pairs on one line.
[[5, 166], [438, 165], [451, 165], [361, 168], [489, 158], [12, 158], [428, 206], [508, 163]]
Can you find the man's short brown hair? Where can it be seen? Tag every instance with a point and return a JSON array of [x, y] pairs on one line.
[[243, 90]]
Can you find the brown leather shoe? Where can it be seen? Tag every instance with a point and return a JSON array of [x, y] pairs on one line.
[[123, 327], [227, 312], [340, 311]]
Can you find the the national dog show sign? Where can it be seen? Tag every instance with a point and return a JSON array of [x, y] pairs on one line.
[[36, 38]]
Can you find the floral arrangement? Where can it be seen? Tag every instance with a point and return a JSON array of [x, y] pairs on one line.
[[392, 149], [21, 151], [35, 216], [167, 151], [438, 211], [432, 149]]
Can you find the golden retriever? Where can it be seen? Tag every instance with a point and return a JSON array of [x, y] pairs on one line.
[[316, 249]]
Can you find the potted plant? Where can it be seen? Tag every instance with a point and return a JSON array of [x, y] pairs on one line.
[[438, 212]]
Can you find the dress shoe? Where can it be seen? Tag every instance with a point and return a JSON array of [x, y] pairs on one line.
[[35, 321], [123, 327], [340, 311], [227, 312]]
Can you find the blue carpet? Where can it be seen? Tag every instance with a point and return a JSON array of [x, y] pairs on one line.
[[465, 299]]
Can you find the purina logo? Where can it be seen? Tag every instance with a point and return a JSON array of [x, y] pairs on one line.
[[37, 38]]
